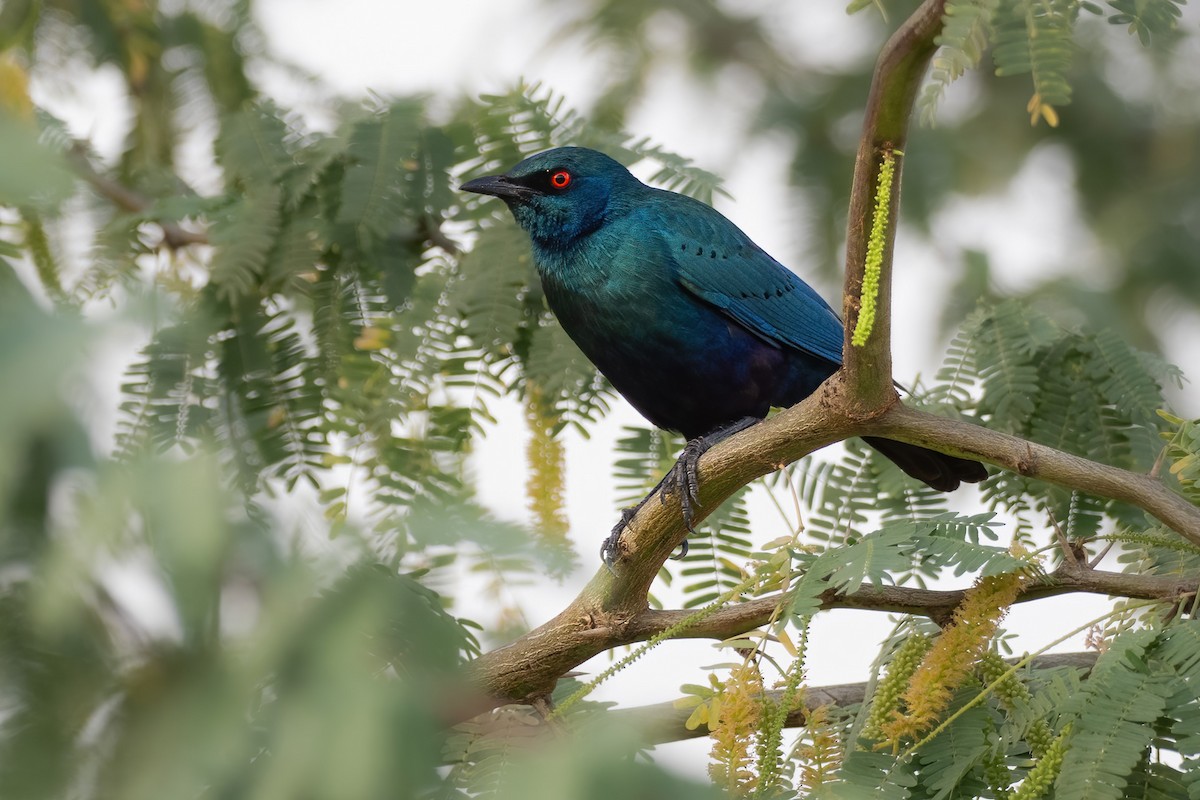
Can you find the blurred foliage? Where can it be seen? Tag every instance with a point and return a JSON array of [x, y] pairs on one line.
[[313, 338]]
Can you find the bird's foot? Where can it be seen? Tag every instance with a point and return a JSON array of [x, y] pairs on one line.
[[683, 479], [611, 547]]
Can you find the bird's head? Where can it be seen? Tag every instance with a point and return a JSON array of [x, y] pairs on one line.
[[562, 194]]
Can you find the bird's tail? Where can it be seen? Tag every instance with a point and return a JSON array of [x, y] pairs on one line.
[[938, 470]]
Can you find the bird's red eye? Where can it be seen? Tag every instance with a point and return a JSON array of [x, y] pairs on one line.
[[560, 179]]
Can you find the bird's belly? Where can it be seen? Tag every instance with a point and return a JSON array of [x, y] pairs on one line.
[[695, 376], [683, 364]]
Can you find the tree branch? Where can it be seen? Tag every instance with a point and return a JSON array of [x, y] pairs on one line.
[[174, 235], [1038, 461], [938, 605], [660, 723], [612, 611], [898, 73], [606, 611]]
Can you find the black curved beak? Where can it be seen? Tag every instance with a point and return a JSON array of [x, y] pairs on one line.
[[498, 186]]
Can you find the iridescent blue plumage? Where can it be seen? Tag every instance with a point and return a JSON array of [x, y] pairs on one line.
[[689, 320]]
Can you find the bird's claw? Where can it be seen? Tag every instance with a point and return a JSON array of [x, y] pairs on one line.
[[683, 480], [610, 548]]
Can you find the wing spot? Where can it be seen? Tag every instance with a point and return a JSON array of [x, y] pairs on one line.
[[699, 251], [745, 296], [779, 292], [725, 256], [683, 246], [767, 294], [712, 254], [789, 288]]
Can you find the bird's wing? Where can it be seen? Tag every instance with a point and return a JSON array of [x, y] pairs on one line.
[[720, 265]]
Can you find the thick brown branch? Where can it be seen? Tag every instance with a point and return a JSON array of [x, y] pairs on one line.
[[665, 722], [605, 615], [612, 610], [898, 74], [1045, 463], [602, 615]]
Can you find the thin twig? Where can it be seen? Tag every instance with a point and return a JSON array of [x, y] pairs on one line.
[[175, 236], [1068, 550], [1095, 562], [932, 603]]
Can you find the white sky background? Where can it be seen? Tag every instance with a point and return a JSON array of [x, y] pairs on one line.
[[480, 46]]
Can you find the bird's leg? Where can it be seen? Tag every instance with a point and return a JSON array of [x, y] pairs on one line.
[[609, 547], [683, 479]]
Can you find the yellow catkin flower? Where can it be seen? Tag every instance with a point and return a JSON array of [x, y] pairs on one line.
[[953, 656], [1039, 738], [1045, 771], [372, 338], [891, 688], [738, 719], [875, 244], [1013, 694], [1041, 110], [995, 772], [14, 89], [546, 482], [770, 737], [1010, 690]]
